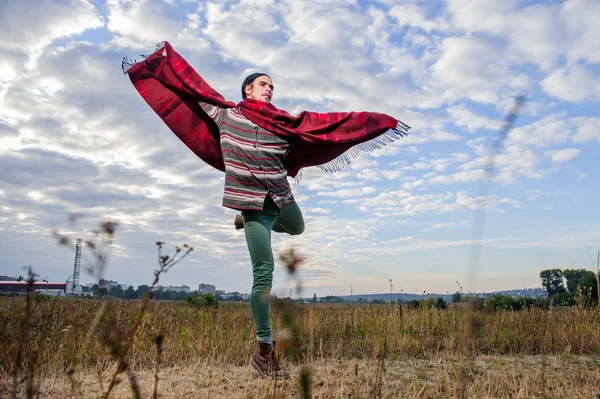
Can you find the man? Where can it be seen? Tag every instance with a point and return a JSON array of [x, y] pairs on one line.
[[257, 146], [256, 184]]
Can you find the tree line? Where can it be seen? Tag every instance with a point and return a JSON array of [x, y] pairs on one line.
[[570, 286], [133, 293]]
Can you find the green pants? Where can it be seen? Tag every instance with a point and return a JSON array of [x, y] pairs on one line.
[[257, 228]]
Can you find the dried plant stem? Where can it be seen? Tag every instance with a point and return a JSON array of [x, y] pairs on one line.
[[75, 384], [31, 389], [159, 342], [165, 262], [24, 329], [135, 387]]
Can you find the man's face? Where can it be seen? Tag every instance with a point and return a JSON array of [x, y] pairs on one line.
[[261, 89]]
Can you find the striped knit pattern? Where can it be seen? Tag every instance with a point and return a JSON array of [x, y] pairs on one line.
[[253, 160]]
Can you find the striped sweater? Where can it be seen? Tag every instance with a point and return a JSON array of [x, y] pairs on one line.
[[253, 160]]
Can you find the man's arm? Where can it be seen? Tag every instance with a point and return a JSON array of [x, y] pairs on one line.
[[213, 111]]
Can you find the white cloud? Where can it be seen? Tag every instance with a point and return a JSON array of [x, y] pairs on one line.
[[464, 117], [470, 67], [550, 130], [534, 195], [565, 155], [411, 244], [459, 177], [248, 26], [28, 25], [142, 24], [415, 15], [368, 174], [437, 164], [412, 185], [401, 203], [582, 18], [320, 210], [393, 174], [462, 223], [532, 34], [577, 83], [487, 15], [587, 129], [345, 193], [421, 138]]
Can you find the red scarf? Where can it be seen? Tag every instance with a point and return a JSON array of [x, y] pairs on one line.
[[329, 140]]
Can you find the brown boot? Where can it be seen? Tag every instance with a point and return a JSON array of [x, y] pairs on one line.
[[265, 362], [238, 222]]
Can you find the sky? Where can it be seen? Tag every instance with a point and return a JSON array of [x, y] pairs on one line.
[[76, 138]]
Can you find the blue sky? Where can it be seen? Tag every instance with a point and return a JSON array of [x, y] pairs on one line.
[[76, 137]]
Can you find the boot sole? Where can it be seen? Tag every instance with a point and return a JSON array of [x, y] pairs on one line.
[[265, 374], [259, 370]]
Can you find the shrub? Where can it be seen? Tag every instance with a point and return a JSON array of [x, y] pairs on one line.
[[202, 300]]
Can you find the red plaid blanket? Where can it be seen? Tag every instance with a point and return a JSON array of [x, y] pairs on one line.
[[329, 140]]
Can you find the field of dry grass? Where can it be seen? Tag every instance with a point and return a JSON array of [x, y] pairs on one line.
[[351, 351]]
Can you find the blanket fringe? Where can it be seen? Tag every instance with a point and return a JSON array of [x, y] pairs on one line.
[[127, 63], [346, 158], [298, 178]]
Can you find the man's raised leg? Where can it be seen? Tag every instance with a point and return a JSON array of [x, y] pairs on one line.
[[290, 220]]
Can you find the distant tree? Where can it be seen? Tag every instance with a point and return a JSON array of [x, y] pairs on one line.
[[116, 292], [414, 304], [499, 301], [142, 290], [211, 300], [572, 277], [202, 300], [456, 297], [563, 299], [314, 298], [438, 303], [85, 288], [178, 296], [552, 281], [331, 299], [582, 282], [130, 293], [166, 295]]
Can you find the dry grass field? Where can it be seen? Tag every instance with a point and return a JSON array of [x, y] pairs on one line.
[[339, 351]]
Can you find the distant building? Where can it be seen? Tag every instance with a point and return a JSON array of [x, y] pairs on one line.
[[206, 289], [176, 288], [73, 289], [233, 295], [20, 287], [108, 284]]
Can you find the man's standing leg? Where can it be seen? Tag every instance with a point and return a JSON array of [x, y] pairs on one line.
[[257, 229]]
